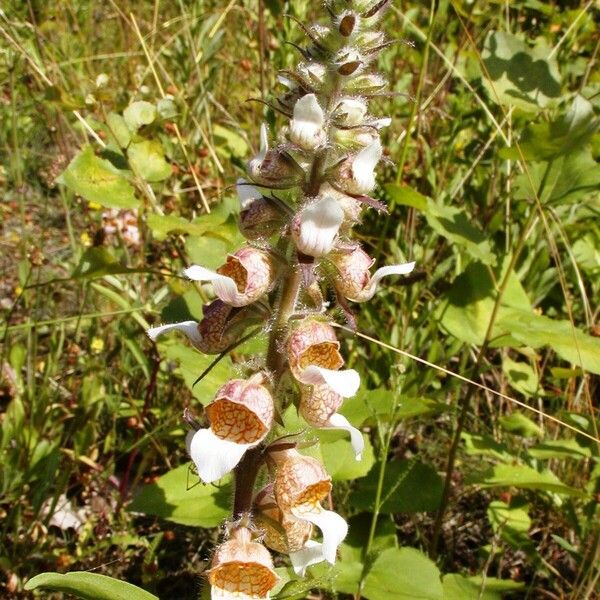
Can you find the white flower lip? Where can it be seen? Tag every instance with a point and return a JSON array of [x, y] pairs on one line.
[[345, 382], [213, 456], [256, 162], [224, 287], [306, 127], [246, 193], [189, 328], [400, 269], [337, 421], [319, 226], [310, 554], [332, 525], [363, 167], [352, 111]]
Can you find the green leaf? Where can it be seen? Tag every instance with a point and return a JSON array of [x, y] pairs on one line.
[[179, 497], [119, 130], [550, 139], [459, 587], [521, 476], [147, 158], [97, 262], [192, 363], [571, 344], [98, 180], [210, 249], [521, 377], [484, 445], [229, 143], [519, 424], [511, 521], [406, 196], [467, 311], [559, 449], [456, 226], [517, 75], [339, 459], [403, 574], [89, 586], [163, 225], [138, 114], [408, 486], [167, 109]]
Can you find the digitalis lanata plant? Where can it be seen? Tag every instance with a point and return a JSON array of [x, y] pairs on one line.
[[299, 263]]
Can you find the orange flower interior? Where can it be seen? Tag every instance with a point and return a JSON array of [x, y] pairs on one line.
[[235, 422]]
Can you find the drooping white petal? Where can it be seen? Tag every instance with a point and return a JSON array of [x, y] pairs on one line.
[[363, 167], [310, 554], [190, 328], [225, 287], [401, 269], [306, 128], [333, 527], [213, 456], [337, 421], [381, 123], [217, 593], [319, 226], [345, 382], [256, 162], [246, 193]]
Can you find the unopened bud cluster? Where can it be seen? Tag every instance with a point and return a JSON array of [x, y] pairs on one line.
[[299, 251]]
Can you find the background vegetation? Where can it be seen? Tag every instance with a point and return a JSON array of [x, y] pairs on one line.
[[492, 184]]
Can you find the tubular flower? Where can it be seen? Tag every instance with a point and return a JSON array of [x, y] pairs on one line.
[[258, 217], [352, 208], [306, 128], [318, 407], [241, 569], [301, 484], [350, 112], [244, 278], [316, 227], [273, 168], [357, 174], [220, 328], [314, 358], [353, 279], [240, 417]]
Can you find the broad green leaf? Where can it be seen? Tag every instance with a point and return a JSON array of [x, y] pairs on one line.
[[521, 377], [162, 225], [511, 521], [470, 303], [519, 424], [119, 130], [569, 178], [403, 574], [484, 445], [98, 180], [408, 486], [406, 196], [456, 226], [210, 250], [550, 139], [178, 496], [571, 344], [559, 449], [459, 587], [167, 109], [524, 477], [192, 363], [89, 586], [339, 459], [138, 114], [97, 262], [519, 75], [230, 143], [147, 158]]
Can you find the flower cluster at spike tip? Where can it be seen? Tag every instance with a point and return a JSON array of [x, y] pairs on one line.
[[325, 159]]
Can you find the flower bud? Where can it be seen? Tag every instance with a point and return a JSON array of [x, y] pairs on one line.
[[244, 278], [259, 218], [318, 407], [306, 127], [315, 227], [241, 568], [301, 484], [353, 278], [314, 358], [274, 168], [240, 417], [218, 330], [350, 112], [366, 83], [357, 174], [352, 208]]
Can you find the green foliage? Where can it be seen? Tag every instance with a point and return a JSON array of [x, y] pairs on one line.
[[89, 586]]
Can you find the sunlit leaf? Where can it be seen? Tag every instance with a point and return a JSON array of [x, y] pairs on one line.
[[138, 114], [178, 496], [519, 424], [147, 159]]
